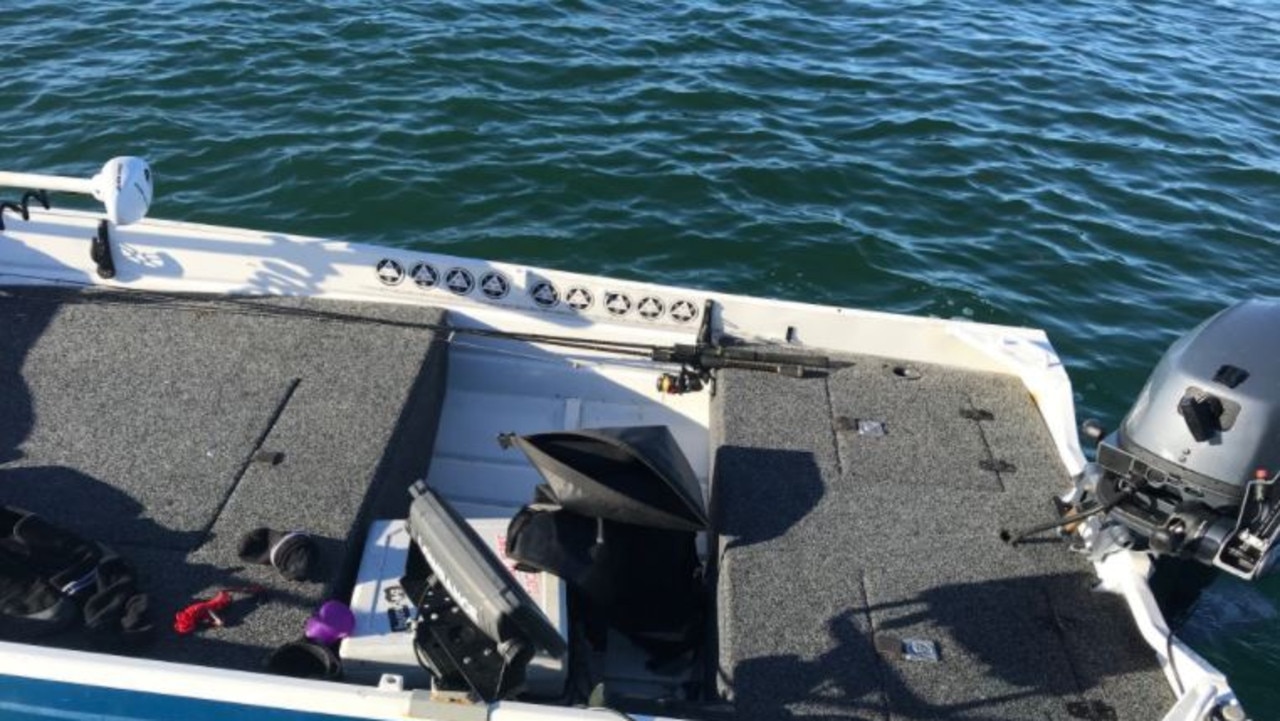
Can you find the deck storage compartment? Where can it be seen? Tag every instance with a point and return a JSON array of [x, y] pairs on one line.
[[618, 519]]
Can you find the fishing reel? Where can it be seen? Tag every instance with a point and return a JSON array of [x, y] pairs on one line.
[[677, 384]]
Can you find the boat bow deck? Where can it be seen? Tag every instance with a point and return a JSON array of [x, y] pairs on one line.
[[137, 420]]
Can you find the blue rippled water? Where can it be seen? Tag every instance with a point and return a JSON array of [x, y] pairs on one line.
[[1105, 170]]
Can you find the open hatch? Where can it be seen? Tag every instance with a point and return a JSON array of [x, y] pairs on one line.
[[613, 528]]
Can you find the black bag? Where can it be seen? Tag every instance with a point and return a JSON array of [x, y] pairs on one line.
[[645, 582], [617, 519]]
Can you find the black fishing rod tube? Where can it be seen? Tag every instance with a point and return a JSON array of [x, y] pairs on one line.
[[711, 358]]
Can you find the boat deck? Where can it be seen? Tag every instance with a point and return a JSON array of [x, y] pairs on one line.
[[839, 544], [152, 425], [155, 425]]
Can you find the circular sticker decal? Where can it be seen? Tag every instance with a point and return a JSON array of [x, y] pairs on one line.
[[494, 285], [650, 308], [459, 280], [683, 311], [424, 275], [617, 303], [578, 298], [390, 272], [544, 294]]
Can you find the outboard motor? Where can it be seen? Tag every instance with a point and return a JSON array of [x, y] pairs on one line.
[[1192, 471]]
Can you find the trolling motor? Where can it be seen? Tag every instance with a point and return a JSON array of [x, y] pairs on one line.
[[124, 186], [1191, 472]]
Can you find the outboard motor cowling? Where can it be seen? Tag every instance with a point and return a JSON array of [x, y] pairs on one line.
[[1191, 471]]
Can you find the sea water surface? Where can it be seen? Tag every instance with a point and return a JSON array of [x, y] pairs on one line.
[[1108, 171]]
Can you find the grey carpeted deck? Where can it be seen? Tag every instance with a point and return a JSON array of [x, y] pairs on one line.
[[134, 420], [837, 546]]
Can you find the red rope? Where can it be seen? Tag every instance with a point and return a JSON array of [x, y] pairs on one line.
[[189, 619]]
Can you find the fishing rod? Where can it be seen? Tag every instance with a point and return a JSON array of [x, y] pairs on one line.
[[697, 360]]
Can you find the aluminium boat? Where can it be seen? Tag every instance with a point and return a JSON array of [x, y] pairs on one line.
[[543, 494]]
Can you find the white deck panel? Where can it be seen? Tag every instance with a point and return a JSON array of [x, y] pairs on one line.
[[532, 391]]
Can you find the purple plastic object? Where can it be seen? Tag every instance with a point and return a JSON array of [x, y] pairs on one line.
[[332, 623]]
